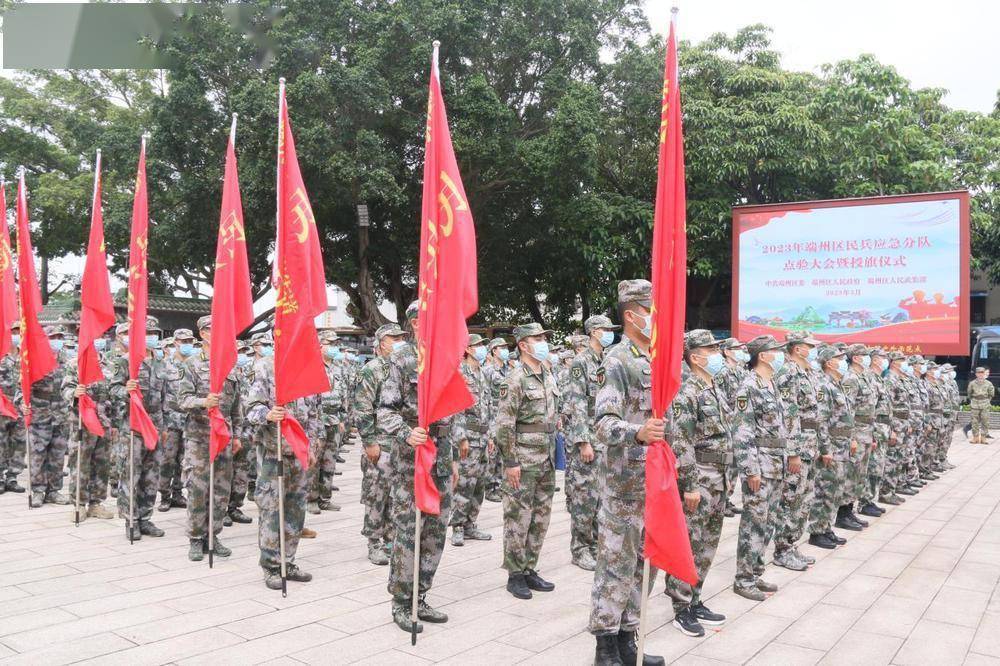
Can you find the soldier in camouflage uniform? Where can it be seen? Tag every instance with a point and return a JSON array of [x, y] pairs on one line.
[[899, 426], [907, 480], [766, 439], [494, 372], [194, 398], [265, 415], [242, 456], [701, 438], [172, 441], [526, 428], [980, 394], [864, 398], [583, 493], [12, 435], [470, 432], [49, 429], [936, 420], [146, 463], [95, 456], [952, 401], [836, 447], [797, 383], [377, 450], [735, 354], [625, 426], [923, 428], [397, 420], [332, 402], [884, 437]]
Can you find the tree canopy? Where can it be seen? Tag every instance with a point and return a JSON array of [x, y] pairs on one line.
[[554, 109]]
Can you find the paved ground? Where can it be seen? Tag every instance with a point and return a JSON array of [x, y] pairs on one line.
[[919, 586]]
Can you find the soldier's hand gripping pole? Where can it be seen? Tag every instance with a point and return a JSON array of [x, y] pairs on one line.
[[281, 514]]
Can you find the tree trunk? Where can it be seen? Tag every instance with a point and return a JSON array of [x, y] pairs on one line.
[[365, 305], [44, 277], [584, 304], [703, 303], [535, 310]]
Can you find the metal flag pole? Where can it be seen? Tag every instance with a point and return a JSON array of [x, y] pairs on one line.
[[79, 462], [642, 611], [27, 460], [277, 268], [281, 513], [131, 485], [416, 570], [211, 506], [27, 400]]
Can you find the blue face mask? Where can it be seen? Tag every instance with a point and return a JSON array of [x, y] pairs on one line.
[[812, 354], [242, 360], [100, 344], [540, 350], [151, 340], [124, 342], [715, 364], [15, 340], [266, 351], [866, 362], [842, 366], [607, 339], [331, 352], [56, 345], [186, 349], [647, 327], [158, 354], [777, 362], [814, 364], [504, 354], [338, 355], [397, 345], [480, 353]]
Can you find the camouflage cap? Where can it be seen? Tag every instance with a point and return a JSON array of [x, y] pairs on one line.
[[981, 369], [842, 346], [204, 322], [826, 352], [328, 336], [475, 340], [497, 342], [635, 291], [858, 349], [599, 321], [388, 329], [699, 337], [183, 334], [878, 351], [896, 356], [262, 338], [412, 310], [931, 365], [54, 330], [801, 338], [121, 328], [168, 341], [915, 360], [763, 343], [532, 328], [152, 323], [578, 340], [242, 346], [731, 343]]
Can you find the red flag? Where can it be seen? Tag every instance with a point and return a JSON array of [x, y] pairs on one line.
[[138, 301], [8, 298], [667, 544], [300, 278], [7, 407], [88, 415], [296, 437], [448, 291], [37, 359], [97, 310], [232, 304]]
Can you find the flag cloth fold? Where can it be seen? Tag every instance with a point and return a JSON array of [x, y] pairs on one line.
[[8, 296], [300, 279], [37, 358], [88, 415], [7, 407], [97, 309], [232, 304], [297, 439], [667, 544], [138, 301], [447, 288]]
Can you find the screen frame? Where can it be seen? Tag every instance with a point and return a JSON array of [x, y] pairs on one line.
[[959, 348]]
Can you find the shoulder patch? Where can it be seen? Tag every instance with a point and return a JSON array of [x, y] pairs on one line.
[[786, 391], [503, 390], [678, 411], [821, 394], [600, 376], [385, 371], [577, 372], [742, 403]]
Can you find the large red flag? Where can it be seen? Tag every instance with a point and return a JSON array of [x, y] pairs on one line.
[[8, 298], [667, 544], [232, 303], [97, 310], [138, 301], [448, 288], [37, 359], [300, 280]]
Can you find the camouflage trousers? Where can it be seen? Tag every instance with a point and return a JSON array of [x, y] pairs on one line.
[[495, 467], [49, 441], [874, 472], [980, 421], [827, 494], [376, 496], [195, 472], [267, 495], [892, 461], [526, 515], [583, 501], [241, 477], [11, 447], [95, 463], [171, 456], [704, 529], [147, 478], [756, 526], [471, 488], [433, 531], [321, 475], [615, 595], [793, 508], [858, 473]]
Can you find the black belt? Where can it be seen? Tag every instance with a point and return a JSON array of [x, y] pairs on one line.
[[864, 420], [809, 424], [841, 432], [527, 428], [901, 413], [713, 457], [771, 443], [882, 418], [476, 428], [439, 430]]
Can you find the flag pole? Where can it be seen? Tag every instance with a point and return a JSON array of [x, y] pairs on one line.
[[79, 461], [20, 367], [277, 425], [131, 485]]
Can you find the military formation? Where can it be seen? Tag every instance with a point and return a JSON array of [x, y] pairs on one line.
[[815, 437]]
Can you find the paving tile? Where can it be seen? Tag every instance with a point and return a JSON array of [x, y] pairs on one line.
[[83, 648], [743, 638], [786, 655], [820, 627], [956, 605], [491, 652], [987, 640], [67, 632], [268, 647], [169, 650], [894, 616], [935, 643], [861, 647]]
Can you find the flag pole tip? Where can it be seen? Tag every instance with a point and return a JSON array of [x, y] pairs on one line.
[[235, 116], [98, 152], [281, 80], [437, 43], [674, 10]]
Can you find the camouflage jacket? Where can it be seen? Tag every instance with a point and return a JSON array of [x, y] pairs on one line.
[[700, 427], [798, 388], [193, 391], [730, 380], [147, 386], [47, 403], [526, 418], [624, 402], [333, 400], [899, 398], [838, 425], [173, 416], [493, 376], [864, 398], [100, 391], [954, 397], [260, 399], [472, 423], [397, 414], [764, 430], [935, 404], [980, 393], [366, 401], [580, 399], [883, 407], [10, 376]]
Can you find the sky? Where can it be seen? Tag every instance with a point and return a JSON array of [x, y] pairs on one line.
[[950, 45]]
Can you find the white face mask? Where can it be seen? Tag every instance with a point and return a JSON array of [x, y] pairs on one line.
[[647, 327]]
